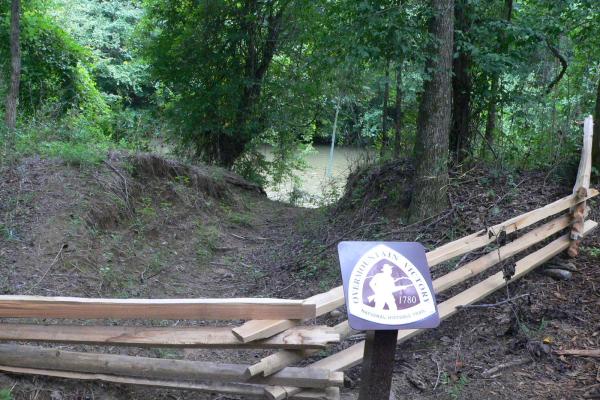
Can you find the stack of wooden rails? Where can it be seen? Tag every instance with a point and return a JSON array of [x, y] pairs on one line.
[[273, 323]]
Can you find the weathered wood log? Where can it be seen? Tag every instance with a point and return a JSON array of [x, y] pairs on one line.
[[585, 162], [155, 368], [231, 389], [353, 355], [253, 330], [302, 337], [579, 352], [281, 359], [218, 309], [581, 187]]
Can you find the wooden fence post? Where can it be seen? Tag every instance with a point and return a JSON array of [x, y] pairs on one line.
[[378, 365], [582, 185]]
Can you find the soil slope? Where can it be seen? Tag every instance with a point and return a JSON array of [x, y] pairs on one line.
[[144, 226]]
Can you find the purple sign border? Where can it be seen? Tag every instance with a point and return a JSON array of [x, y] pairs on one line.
[[349, 254]]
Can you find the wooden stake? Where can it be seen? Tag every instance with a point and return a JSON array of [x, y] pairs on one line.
[[378, 365], [581, 188]]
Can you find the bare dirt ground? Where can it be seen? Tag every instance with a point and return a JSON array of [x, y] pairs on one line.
[[146, 227]]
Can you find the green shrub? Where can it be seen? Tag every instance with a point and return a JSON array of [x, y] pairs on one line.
[[74, 139], [5, 394]]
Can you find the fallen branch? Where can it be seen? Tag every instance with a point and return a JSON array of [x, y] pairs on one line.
[[439, 371], [62, 247], [515, 363], [579, 352], [509, 300]]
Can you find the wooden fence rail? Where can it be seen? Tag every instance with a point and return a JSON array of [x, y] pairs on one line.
[[300, 337], [217, 309], [353, 355], [253, 330], [273, 323], [279, 360]]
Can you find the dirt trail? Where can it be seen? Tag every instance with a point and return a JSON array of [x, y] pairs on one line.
[[147, 227]]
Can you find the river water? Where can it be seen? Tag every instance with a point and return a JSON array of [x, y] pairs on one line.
[[315, 188]]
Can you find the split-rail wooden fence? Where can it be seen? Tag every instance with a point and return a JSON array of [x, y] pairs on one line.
[[271, 323]]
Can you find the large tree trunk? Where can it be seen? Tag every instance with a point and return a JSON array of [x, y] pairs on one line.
[[431, 149], [258, 60], [384, 114], [461, 90], [398, 111], [596, 141], [12, 98]]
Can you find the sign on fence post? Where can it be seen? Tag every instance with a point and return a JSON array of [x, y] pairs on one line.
[[388, 287]]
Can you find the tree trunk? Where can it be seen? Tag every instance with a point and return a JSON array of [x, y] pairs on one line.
[[461, 90], [490, 125], [596, 140], [384, 114], [257, 63], [433, 130], [12, 98], [398, 111]]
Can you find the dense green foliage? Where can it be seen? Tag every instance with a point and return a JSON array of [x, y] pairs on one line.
[[219, 79]]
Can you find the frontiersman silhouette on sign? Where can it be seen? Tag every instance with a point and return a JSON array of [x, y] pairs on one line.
[[384, 287]]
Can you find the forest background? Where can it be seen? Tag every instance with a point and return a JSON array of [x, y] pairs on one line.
[[216, 80]]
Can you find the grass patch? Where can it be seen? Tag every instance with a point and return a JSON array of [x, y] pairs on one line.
[[165, 353], [240, 219], [456, 387], [591, 251], [5, 394], [77, 154], [208, 240], [8, 233]]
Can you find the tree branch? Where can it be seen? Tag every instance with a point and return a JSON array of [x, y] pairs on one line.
[[274, 27], [563, 62]]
